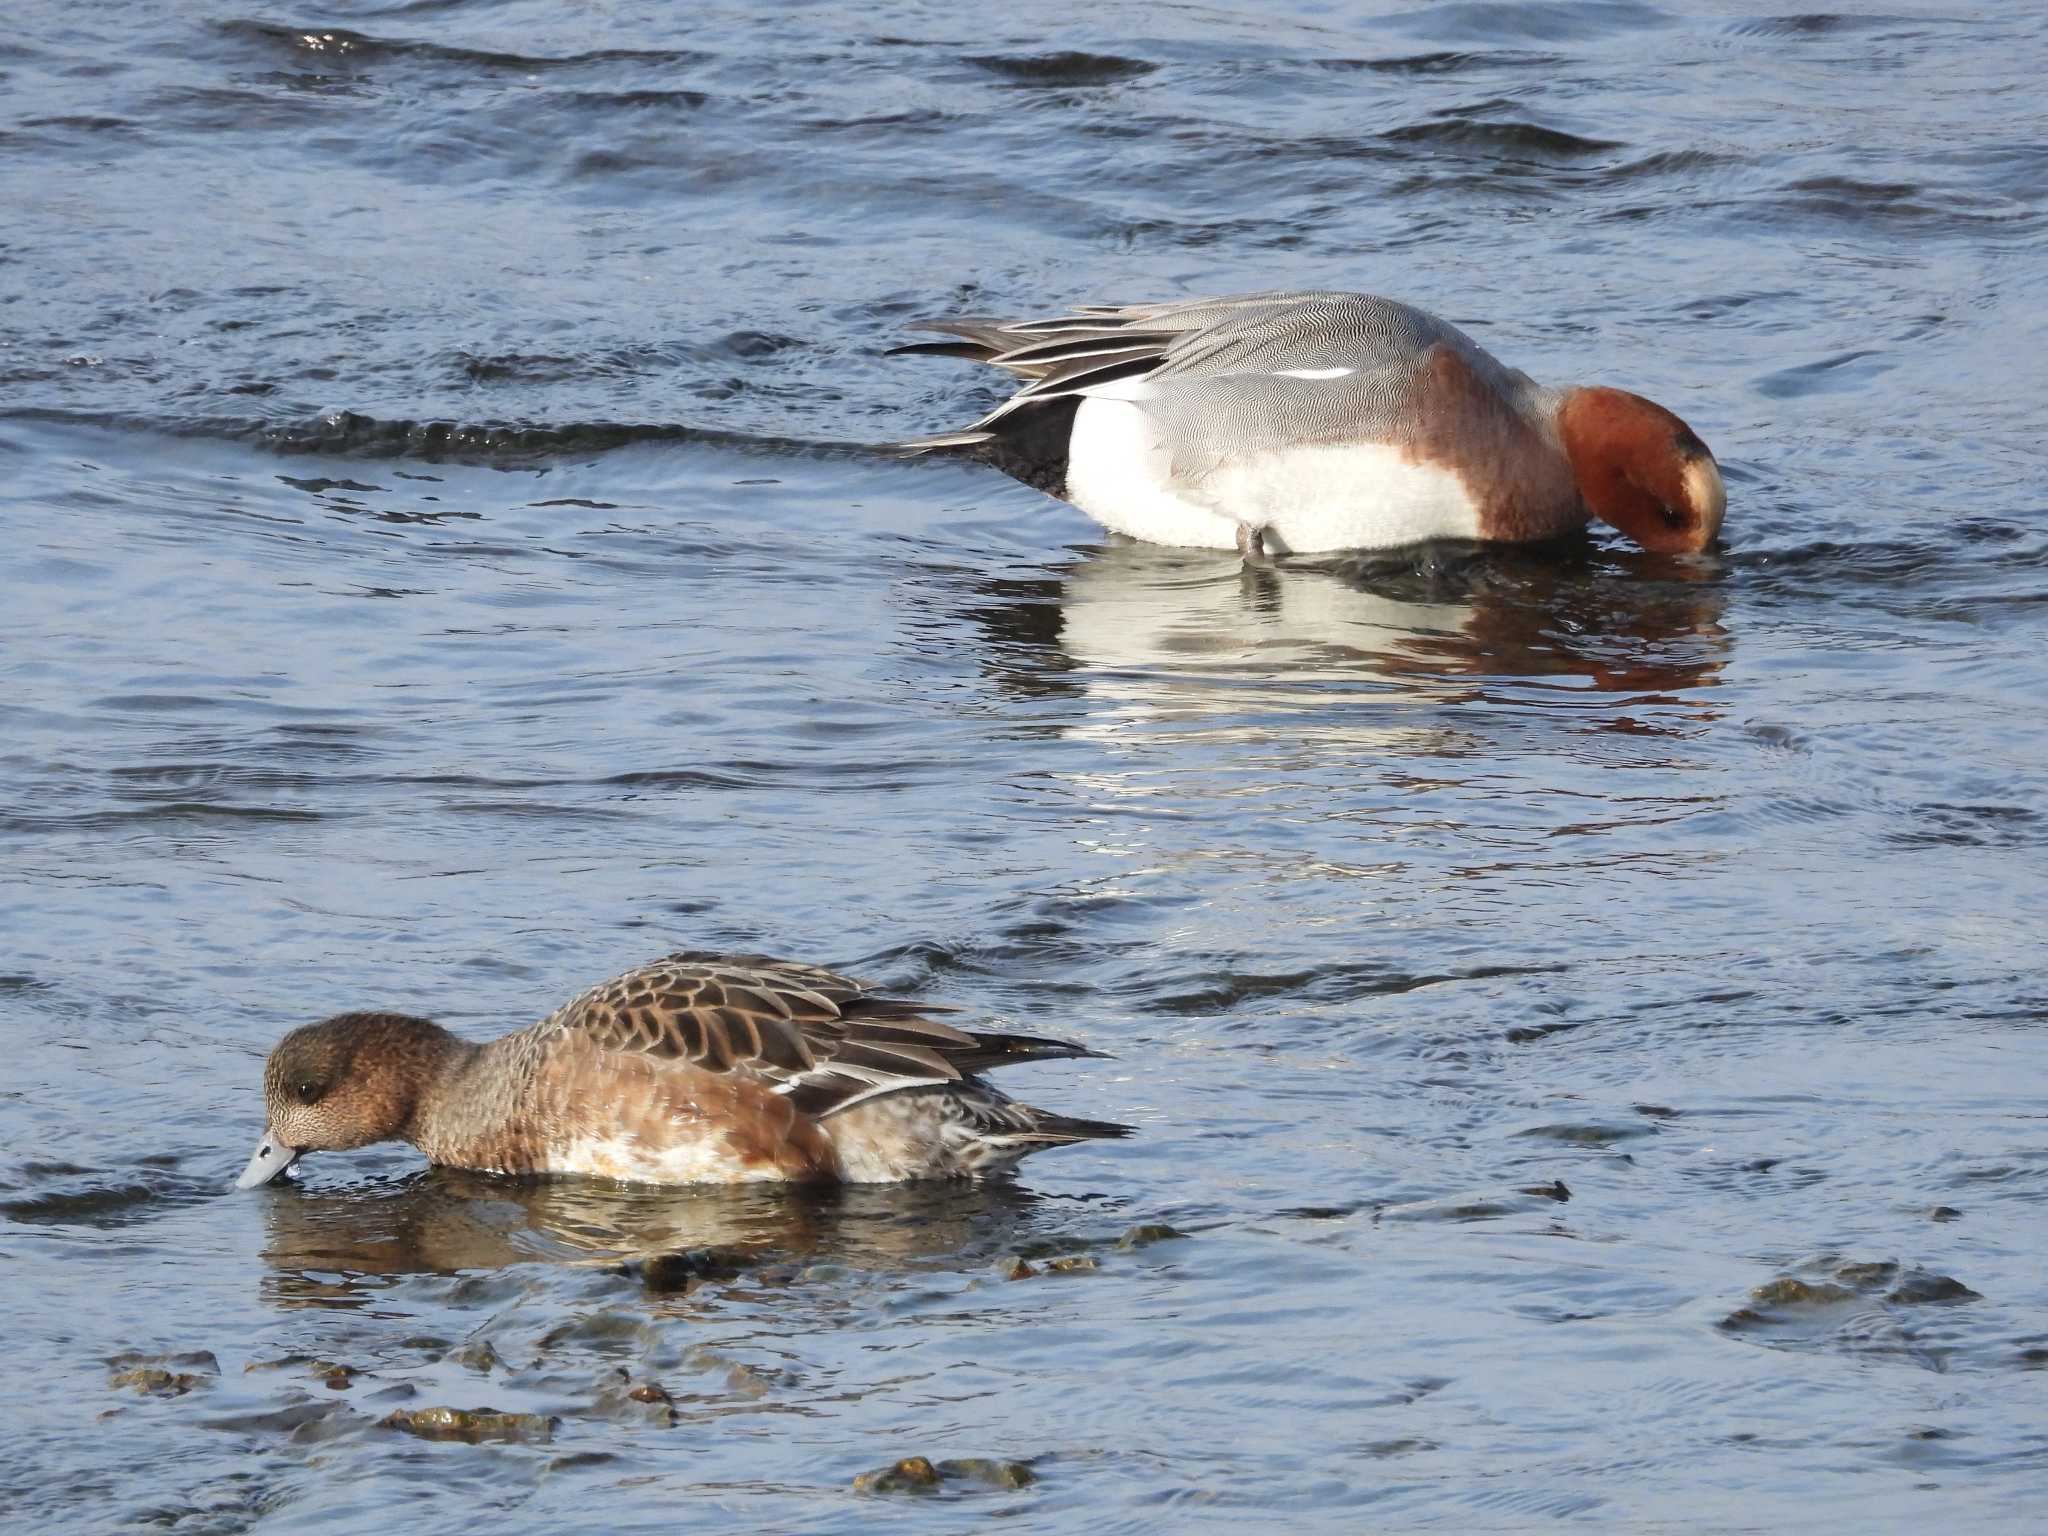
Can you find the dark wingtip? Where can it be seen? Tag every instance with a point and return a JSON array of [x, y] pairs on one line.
[[1073, 1128], [1000, 1050], [972, 351]]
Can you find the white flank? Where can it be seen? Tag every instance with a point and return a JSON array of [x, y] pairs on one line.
[[1320, 497], [1117, 474], [687, 1160], [1315, 373], [1311, 499]]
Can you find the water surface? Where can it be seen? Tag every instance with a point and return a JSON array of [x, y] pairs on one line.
[[1583, 1012]]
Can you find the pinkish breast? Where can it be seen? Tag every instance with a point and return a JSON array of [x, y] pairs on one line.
[[1519, 479]]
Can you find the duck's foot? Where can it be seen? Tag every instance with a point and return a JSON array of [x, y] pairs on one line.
[[1251, 544]]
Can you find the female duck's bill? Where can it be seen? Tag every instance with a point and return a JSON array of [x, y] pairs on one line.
[[699, 1068], [271, 1159], [1315, 422]]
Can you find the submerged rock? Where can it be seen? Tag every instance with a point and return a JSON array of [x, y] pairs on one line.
[[608, 1332], [477, 1355], [472, 1425], [913, 1474], [916, 1474], [162, 1375], [333, 1375], [1016, 1267], [691, 1268], [1864, 1274], [1917, 1287], [1588, 1133], [155, 1381], [1810, 1297], [310, 1418], [1790, 1291], [987, 1472], [634, 1399], [1478, 1205], [753, 1381], [1147, 1233]]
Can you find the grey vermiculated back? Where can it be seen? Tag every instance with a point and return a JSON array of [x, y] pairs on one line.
[[1212, 367]]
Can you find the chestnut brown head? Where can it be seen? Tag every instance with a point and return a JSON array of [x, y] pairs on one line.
[[1642, 470]]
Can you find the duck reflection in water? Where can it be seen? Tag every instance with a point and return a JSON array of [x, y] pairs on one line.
[[1175, 631], [342, 1248]]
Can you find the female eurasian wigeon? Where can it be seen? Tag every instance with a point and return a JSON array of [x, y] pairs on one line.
[[700, 1068], [1311, 422]]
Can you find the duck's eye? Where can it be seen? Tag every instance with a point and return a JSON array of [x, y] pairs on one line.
[[1673, 518], [307, 1090]]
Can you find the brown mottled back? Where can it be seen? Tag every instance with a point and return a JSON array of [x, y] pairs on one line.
[[820, 1038]]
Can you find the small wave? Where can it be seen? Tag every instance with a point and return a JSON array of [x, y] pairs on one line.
[[2004, 562], [1507, 137], [1671, 162], [67, 1196], [84, 123], [1940, 825], [1068, 68], [643, 100], [349, 434], [184, 811], [1551, 22], [1442, 62], [1807, 24], [339, 42], [1811, 24], [1226, 988], [1898, 203]]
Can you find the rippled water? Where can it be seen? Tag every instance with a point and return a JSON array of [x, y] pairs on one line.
[[1584, 1014]]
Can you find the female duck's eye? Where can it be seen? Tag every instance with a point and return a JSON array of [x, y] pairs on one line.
[[307, 1091]]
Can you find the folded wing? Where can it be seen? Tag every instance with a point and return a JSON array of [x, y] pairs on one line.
[[824, 1040]]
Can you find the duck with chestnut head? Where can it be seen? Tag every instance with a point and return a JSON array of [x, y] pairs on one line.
[[1281, 423]]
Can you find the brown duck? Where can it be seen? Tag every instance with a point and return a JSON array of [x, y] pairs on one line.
[[698, 1068]]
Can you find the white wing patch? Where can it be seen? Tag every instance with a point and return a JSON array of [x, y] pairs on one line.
[[1136, 387], [1314, 373]]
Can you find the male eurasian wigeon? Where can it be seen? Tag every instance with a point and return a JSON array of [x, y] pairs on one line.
[[1310, 422], [696, 1069]]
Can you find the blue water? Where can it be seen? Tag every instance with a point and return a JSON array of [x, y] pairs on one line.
[[1583, 1013]]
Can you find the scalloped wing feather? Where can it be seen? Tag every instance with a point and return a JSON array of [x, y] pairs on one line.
[[819, 1038]]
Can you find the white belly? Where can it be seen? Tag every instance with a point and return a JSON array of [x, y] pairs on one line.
[[1310, 499]]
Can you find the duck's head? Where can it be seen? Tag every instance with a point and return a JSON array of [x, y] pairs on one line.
[[344, 1082], [1642, 470]]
